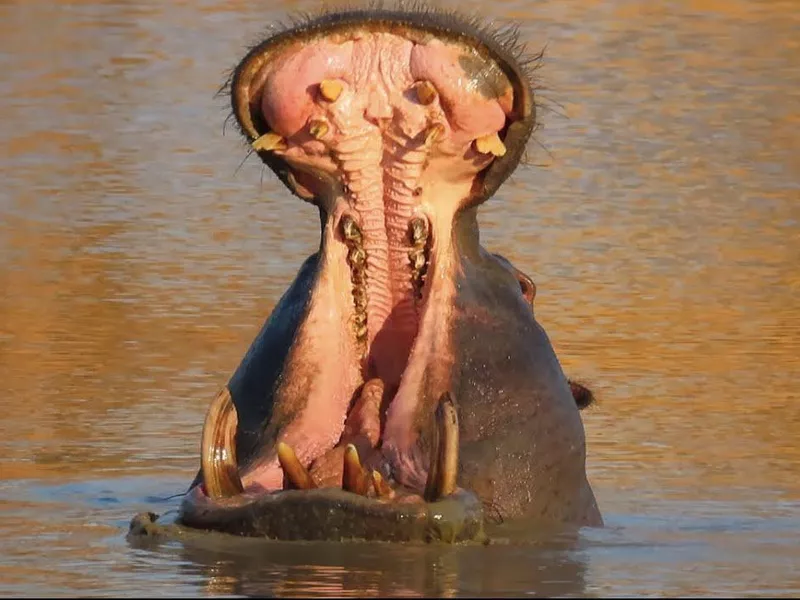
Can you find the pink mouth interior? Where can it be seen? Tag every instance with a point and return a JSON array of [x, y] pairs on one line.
[[401, 155]]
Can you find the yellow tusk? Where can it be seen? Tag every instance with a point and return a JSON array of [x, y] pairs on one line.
[[331, 89], [354, 478], [490, 144], [294, 470], [318, 128], [269, 142], [382, 489]]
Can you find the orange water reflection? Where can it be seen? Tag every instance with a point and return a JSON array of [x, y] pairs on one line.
[[663, 232]]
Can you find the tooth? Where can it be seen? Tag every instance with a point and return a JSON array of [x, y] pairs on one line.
[[426, 93], [357, 256], [360, 297], [419, 230], [360, 324], [434, 133], [382, 489], [331, 89], [294, 470], [443, 469], [269, 142], [358, 276], [218, 448], [490, 144], [354, 478], [417, 258], [350, 229], [318, 128]]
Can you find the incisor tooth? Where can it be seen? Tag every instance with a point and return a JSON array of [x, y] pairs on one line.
[[354, 478], [382, 489], [330, 89], [269, 142], [490, 144], [426, 93], [318, 128], [294, 470], [443, 469]]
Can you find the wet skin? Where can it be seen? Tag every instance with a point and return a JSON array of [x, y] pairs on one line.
[[401, 389]]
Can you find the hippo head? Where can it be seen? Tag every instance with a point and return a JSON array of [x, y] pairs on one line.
[[401, 389]]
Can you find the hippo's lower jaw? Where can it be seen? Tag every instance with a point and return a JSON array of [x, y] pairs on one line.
[[404, 361], [336, 515], [364, 507]]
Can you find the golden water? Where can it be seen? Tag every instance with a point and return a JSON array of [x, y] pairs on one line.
[[661, 225]]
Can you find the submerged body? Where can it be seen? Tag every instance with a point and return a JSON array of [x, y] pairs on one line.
[[402, 388]]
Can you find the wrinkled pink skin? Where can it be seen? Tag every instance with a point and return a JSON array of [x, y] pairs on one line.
[[471, 334], [376, 141], [378, 118]]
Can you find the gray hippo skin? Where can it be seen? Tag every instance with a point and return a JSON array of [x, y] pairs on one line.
[[402, 388]]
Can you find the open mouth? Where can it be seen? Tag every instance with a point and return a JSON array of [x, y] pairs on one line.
[[392, 123]]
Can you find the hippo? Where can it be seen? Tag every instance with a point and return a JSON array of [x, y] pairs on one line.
[[401, 389]]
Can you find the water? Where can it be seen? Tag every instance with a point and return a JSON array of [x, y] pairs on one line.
[[661, 225]]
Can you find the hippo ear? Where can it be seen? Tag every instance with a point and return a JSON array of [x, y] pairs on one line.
[[583, 396]]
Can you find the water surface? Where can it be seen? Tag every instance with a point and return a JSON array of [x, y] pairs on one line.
[[659, 217]]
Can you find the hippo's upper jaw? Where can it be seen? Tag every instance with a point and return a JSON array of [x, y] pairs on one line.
[[402, 382]]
